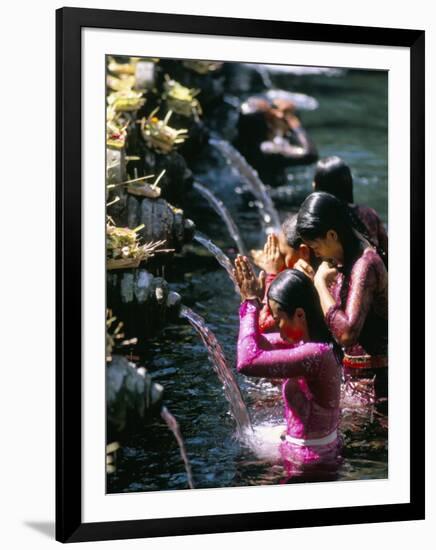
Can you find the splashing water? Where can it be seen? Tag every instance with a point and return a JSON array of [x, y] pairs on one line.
[[222, 258], [268, 213], [265, 440], [222, 211], [223, 371], [173, 425]]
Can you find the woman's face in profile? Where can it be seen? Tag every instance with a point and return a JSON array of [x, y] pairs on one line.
[[327, 248], [290, 255], [290, 328]]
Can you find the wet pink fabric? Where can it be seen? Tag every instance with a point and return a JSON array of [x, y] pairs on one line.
[[311, 387], [360, 313], [315, 463]]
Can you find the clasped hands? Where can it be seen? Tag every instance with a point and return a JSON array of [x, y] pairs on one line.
[[323, 276], [251, 287], [270, 259]]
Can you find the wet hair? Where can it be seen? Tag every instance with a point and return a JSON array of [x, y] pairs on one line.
[[321, 212], [333, 176], [289, 228], [292, 289]]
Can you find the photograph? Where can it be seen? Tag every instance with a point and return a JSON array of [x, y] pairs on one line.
[[246, 274]]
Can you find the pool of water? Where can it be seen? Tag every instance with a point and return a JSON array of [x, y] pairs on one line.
[[351, 122]]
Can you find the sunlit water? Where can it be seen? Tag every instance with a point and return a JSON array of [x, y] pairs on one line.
[[224, 214], [351, 122], [222, 369]]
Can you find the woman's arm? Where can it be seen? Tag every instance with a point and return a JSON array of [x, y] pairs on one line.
[[272, 263], [346, 323], [256, 356], [266, 320], [322, 285], [273, 340]]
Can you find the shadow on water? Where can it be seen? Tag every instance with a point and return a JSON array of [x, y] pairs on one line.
[[351, 121]]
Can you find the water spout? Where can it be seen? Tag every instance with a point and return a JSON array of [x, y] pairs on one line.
[[302, 102], [269, 215], [222, 258], [264, 75], [223, 371], [222, 211], [173, 425]]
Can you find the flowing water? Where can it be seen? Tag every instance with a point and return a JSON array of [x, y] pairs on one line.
[[267, 211], [351, 122], [222, 369], [173, 425], [221, 258], [224, 214]]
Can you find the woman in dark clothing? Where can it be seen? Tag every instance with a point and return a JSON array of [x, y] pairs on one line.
[[352, 283]]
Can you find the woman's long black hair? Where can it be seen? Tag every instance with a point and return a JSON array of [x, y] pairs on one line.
[[292, 289], [321, 212], [289, 228], [333, 176]]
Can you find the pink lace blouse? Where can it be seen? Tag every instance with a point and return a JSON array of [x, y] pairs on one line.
[[311, 390]]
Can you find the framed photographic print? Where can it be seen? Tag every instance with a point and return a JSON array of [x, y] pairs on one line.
[[227, 300]]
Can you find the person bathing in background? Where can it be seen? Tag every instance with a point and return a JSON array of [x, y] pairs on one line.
[[333, 176], [280, 252], [352, 284], [302, 355], [273, 131], [283, 123]]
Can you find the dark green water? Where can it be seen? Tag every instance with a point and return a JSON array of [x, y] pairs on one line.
[[351, 122]]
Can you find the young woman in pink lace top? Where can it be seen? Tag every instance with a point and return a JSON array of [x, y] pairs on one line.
[[301, 354], [352, 284]]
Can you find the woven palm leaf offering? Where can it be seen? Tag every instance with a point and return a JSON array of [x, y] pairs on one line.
[[123, 82], [158, 135], [115, 338], [123, 248], [140, 187], [201, 66], [126, 100], [118, 69], [116, 130], [180, 99]]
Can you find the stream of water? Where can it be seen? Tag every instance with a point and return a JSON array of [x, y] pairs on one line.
[[267, 211], [173, 425], [223, 370], [221, 258], [224, 214]]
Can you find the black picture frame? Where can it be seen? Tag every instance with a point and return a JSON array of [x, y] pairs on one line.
[[69, 525]]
